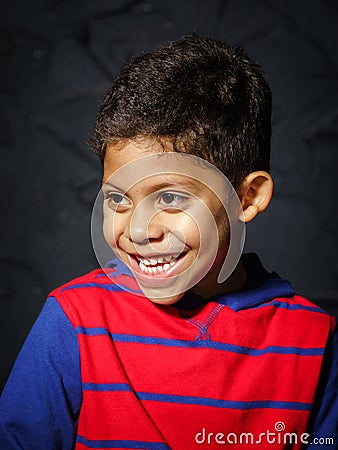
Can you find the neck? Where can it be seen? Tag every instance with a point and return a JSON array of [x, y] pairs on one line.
[[209, 287]]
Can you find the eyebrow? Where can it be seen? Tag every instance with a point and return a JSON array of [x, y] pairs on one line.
[[166, 182], [108, 183]]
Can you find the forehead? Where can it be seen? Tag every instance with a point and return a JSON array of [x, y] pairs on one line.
[[155, 163], [122, 153]]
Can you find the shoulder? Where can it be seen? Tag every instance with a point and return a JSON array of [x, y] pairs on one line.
[[270, 299], [300, 307], [297, 318], [90, 297], [304, 317], [297, 309]]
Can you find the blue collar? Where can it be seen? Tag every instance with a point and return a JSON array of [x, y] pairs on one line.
[[260, 287]]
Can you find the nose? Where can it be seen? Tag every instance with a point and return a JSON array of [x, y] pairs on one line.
[[145, 228]]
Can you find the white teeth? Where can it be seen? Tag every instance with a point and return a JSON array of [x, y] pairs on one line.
[[160, 260], [153, 266]]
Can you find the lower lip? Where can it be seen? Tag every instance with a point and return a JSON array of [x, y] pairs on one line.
[[172, 271]]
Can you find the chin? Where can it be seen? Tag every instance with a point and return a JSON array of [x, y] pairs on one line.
[[164, 301]]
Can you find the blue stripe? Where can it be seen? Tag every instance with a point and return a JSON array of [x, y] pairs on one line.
[[112, 287], [293, 307], [201, 401], [93, 331], [121, 387], [149, 340], [120, 444], [204, 401]]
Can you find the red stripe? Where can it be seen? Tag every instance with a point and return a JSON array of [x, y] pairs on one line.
[[273, 326], [282, 376], [178, 424], [115, 415], [121, 312]]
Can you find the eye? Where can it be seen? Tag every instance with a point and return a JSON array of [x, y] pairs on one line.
[[117, 200], [172, 200], [168, 198]]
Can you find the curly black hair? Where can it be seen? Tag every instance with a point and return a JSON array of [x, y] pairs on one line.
[[208, 98]]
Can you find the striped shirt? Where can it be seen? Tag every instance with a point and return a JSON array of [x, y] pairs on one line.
[[104, 367]]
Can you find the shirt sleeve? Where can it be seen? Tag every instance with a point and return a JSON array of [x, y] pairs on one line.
[[40, 403], [323, 425]]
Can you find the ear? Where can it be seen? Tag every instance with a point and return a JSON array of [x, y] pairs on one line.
[[255, 194]]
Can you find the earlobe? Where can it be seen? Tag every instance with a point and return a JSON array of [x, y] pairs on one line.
[[255, 194]]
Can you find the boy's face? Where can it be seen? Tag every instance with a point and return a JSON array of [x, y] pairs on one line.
[[166, 225]]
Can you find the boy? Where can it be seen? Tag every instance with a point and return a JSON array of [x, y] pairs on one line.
[[176, 345]]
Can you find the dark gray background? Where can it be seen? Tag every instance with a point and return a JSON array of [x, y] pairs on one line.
[[58, 58]]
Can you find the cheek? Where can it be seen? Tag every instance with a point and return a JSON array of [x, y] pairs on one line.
[[189, 230], [113, 228]]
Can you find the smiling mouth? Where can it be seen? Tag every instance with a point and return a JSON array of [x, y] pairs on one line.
[[157, 265]]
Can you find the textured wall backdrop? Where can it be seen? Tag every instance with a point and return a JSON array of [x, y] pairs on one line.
[[57, 59]]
